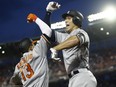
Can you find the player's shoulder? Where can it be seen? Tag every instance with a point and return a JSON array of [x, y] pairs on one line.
[[81, 31], [27, 53]]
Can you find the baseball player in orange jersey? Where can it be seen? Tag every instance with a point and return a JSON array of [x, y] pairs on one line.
[[75, 47], [32, 69]]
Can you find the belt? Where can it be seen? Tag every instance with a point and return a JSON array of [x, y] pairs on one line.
[[75, 72]]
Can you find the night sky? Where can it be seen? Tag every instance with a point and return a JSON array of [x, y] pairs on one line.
[[13, 14]]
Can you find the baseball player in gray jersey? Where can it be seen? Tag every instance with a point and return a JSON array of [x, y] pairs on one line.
[[75, 47], [33, 66]]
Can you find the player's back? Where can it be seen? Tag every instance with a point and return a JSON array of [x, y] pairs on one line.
[[33, 66]]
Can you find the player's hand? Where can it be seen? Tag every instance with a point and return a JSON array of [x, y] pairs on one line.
[[31, 18], [52, 6], [54, 55], [15, 80]]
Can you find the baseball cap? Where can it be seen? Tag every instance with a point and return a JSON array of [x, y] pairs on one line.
[[25, 44]]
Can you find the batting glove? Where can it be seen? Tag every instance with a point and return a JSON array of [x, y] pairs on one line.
[[52, 6], [54, 55], [31, 18]]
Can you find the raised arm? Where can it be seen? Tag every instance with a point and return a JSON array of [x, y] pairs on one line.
[[51, 7], [44, 25], [45, 29], [70, 42]]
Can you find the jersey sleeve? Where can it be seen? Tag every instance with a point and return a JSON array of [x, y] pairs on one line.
[[40, 48], [58, 36], [55, 37], [83, 37], [47, 18], [16, 71]]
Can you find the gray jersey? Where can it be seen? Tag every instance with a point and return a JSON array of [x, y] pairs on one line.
[[77, 56], [33, 66]]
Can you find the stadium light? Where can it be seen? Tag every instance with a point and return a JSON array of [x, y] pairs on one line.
[[101, 28], [3, 52], [107, 33], [109, 13]]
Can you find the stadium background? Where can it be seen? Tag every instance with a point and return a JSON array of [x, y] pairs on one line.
[[102, 32]]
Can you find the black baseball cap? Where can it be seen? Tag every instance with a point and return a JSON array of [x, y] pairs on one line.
[[25, 44]]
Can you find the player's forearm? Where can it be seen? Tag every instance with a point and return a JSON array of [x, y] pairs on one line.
[[47, 18], [70, 42], [15, 80], [12, 80]]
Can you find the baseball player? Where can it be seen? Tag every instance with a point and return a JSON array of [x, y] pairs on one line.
[[32, 69], [75, 47]]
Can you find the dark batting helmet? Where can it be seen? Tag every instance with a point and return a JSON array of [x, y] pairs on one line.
[[77, 17]]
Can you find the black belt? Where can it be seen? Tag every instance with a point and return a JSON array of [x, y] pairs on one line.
[[75, 72]]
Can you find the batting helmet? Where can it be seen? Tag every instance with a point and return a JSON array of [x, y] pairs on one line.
[[25, 44], [77, 17]]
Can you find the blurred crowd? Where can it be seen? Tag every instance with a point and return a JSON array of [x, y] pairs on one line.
[[99, 61]]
